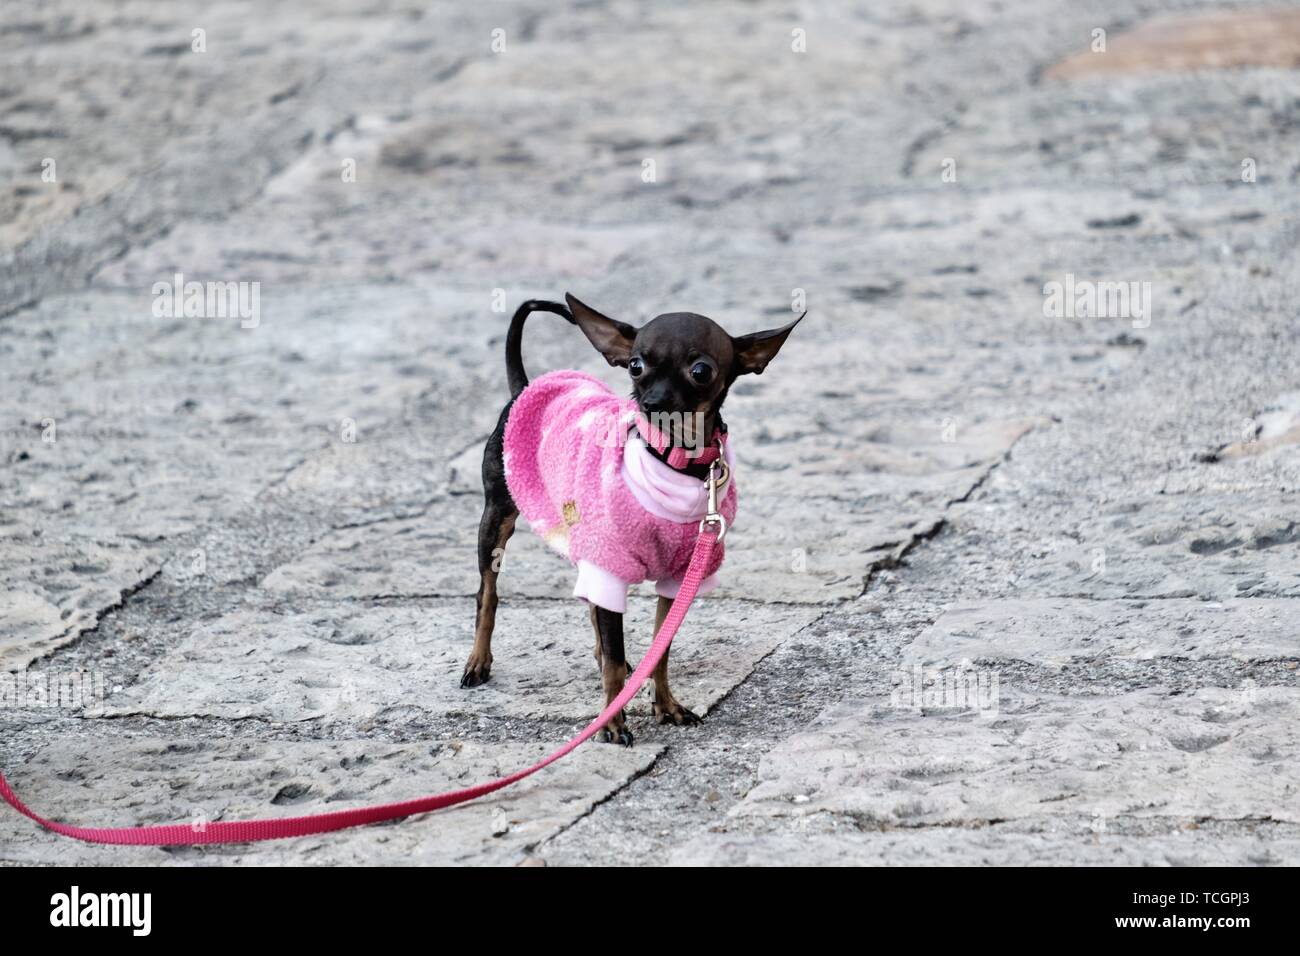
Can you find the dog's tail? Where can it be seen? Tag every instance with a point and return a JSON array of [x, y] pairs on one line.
[[516, 377]]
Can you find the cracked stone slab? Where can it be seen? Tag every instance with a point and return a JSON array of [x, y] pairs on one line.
[[1211, 546], [819, 511], [1221, 753], [1052, 633], [814, 514], [983, 846], [129, 782], [345, 662], [55, 588], [113, 192], [125, 448]]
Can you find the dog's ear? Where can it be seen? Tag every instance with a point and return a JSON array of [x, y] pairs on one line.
[[613, 339], [754, 351]]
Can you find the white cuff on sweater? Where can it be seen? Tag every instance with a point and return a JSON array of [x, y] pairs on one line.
[[606, 590], [601, 588]]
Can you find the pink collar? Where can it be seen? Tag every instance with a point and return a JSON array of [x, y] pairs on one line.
[[678, 457]]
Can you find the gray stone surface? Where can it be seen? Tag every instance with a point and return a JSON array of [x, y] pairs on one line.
[[1214, 753], [1054, 632], [260, 540], [1213, 546]]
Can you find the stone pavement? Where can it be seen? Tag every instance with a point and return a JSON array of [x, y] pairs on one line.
[[1012, 583]]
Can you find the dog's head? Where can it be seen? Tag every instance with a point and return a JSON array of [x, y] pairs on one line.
[[681, 364]]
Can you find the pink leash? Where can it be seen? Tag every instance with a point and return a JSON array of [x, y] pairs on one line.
[[247, 831]]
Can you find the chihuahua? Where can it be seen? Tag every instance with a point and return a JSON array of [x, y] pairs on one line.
[[615, 485]]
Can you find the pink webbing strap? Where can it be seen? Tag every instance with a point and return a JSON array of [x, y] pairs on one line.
[[247, 831]]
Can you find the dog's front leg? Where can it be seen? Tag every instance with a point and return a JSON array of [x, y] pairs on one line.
[[613, 670], [667, 708]]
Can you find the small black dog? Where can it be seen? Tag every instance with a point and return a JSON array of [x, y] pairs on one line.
[[681, 365]]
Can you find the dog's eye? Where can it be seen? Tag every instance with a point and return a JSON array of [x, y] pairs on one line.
[[635, 368], [702, 372]]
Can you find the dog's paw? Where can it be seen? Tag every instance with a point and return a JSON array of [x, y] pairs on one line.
[[676, 715], [620, 735], [477, 671], [616, 731]]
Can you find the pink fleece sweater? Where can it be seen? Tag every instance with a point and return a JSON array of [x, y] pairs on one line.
[[586, 482]]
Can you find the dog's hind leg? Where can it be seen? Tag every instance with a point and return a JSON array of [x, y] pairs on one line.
[[613, 669], [667, 709], [494, 530]]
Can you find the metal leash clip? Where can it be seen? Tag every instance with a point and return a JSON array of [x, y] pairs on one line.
[[713, 483]]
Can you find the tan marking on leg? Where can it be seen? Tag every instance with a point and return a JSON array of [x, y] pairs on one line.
[[667, 709], [613, 677], [479, 665]]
